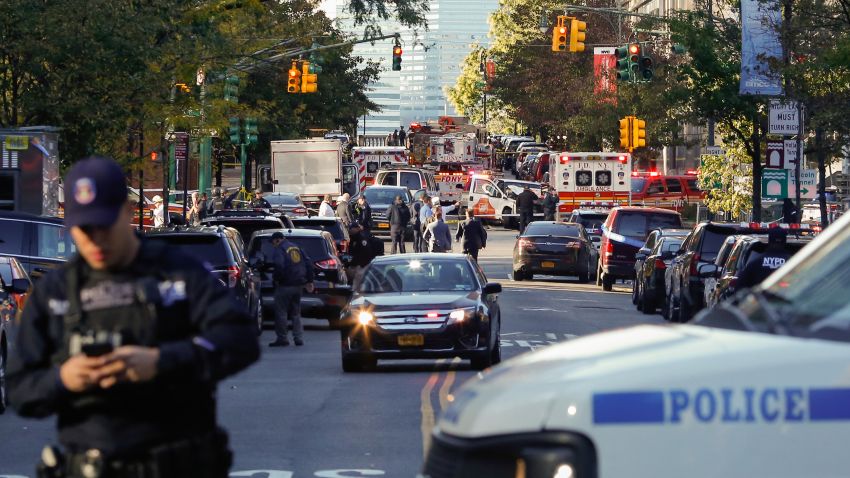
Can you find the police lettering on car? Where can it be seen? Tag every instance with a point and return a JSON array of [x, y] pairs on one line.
[[126, 343]]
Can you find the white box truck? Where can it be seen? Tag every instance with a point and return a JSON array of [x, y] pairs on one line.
[[310, 168]]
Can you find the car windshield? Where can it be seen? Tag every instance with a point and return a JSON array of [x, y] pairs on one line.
[[210, 249], [246, 227], [283, 199], [415, 275], [313, 247], [383, 196], [592, 222], [544, 229], [333, 227]]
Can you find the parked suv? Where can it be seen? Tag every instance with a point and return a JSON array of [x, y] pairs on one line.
[[646, 250], [38, 243], [412, 178], [380, 198], [220, 249], [247, 222], [328, 270], [624, 232], [702, 246]]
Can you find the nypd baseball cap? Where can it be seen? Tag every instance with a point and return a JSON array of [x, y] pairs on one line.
[[95, 192]]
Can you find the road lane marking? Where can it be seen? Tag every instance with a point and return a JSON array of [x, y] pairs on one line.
[[447, 385], [427, 410]]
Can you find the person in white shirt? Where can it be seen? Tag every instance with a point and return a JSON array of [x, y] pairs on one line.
[[158, 212], [325, 209]]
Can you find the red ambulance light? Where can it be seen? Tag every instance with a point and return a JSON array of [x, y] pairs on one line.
[[622, 158], [635, 173], [692, 172], [653, 173], [565, 159]]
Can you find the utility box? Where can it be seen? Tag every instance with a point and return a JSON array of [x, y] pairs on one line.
[[29, 170]]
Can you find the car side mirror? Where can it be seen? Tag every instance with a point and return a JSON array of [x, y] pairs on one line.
[[492, 288], [707, 270], [19, 286]]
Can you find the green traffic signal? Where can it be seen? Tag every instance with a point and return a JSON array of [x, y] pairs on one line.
[[231, 89], [251, 131], [234, 131]]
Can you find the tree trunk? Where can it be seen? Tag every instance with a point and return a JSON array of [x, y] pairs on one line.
[[824, 214], [756, 170]]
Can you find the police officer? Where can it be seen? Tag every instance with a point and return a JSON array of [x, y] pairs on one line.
[[473, 233], [398, 216], [259, 202], [217, 202], [363, 250], [292, 272], [550, 205], [525, 204], [363, 213], [126, 343], [761, 265]]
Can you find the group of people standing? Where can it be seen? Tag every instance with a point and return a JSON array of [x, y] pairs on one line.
[[200, 206], [397, 137]]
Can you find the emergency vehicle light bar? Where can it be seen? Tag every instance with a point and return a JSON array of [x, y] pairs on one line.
[[773, 225]]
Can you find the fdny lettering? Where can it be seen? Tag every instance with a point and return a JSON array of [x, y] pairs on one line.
[[107, 294], [724, 405], [773, 262]]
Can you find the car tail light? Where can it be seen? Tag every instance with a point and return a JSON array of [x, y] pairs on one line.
[[660, 265], [609, 248], [343, 246], [327, 264], [573, 245], [525, 243], [233, 274], [694, 264], [299, 210]]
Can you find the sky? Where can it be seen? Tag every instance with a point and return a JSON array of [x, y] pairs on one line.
[[329, 6]]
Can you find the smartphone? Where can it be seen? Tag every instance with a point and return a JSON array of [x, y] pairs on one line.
[[97, 349]]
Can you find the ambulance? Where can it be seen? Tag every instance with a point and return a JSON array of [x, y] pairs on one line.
[[582, 178], [493, 199], [755, 387], [368, 160]]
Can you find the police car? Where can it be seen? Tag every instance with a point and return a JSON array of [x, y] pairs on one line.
[[766, 395]]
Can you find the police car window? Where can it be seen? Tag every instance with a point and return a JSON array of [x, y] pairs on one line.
[[603, 178], [388, 180], [410, 180], [584, 178], [673, 185], [12, 237]]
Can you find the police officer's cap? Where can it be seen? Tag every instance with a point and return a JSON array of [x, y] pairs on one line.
[[277, 235], [98, 191]]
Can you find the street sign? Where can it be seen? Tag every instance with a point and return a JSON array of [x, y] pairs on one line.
[[774, 183], [784, 118], [16, 143], [808, 184], [790, 148], [714, 151], [774, 154]]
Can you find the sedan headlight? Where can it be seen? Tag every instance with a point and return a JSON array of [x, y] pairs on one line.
[[460, 315], [365, 317]]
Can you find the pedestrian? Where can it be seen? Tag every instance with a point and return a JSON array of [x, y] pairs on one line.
[[193, 216], [395, 138], [550, 205], [126, 343], [158, 212], [389, 139], [789, 212], [398, 216], [473, 233], [761, 264], [293, 271], [415, 209], [259, 202], [362, 250], [401, 136], [525, 202], [325, 209], [438, 235], [217, 203], [203, 206], [342, 209], [363, 213]]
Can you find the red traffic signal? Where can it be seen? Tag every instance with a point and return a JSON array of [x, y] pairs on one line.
[[634, 48], [153, 156]]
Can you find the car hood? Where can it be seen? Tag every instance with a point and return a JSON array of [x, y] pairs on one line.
[[416, 300]]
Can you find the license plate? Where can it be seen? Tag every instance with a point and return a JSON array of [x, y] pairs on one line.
[[383, 225], [548, 264], [414, 340]]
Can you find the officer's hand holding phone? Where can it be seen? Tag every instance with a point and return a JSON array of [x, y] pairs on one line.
[[129, 363], [80, 372]]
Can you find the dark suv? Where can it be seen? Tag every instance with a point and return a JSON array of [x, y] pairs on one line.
[[701, 247], [380, 198], [623, 234], [328, 270], [247, 222], [331, 224], [219, 249], [38, 243]]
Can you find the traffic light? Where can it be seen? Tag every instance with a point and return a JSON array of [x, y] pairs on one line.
[[559, 35], [634, 60], [294, 85], [397, 58], [577, 29], [626, 133], [308, 80], [231, 89], [645, 67], [233, 130], [154, 156], [623, 70], [251, 131], [638, 133]]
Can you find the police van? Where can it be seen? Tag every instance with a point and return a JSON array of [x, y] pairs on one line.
[[760, 388]]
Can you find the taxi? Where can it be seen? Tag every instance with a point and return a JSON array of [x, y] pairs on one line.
[[756, 387]]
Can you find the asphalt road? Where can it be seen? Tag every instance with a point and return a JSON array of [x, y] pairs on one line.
[[296, 414]]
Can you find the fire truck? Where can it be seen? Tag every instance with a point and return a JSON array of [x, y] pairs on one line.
[[651, 188], [369, 159], [587, 178]]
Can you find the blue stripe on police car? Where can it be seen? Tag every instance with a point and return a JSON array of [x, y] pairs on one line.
[[724, 405]]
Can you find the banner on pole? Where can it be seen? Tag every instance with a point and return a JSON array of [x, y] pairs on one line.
[[604, 72], [760, 25]]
